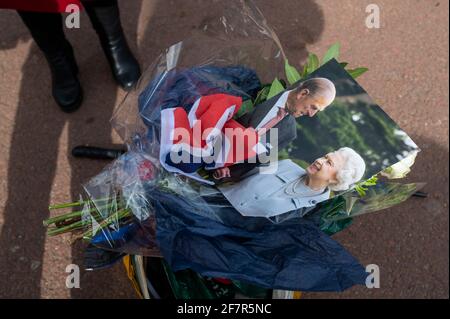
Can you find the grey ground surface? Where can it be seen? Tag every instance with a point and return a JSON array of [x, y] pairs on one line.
[[408, 77]]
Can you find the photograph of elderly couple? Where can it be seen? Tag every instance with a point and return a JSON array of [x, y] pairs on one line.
[[322, 136]]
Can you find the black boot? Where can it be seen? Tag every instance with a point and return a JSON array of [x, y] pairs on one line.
[[47, 31], [105, 18], [66, 88]]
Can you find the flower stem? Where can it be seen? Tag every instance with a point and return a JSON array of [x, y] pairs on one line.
[[65, 229], [78, 203], [78, 213], [125, 212]]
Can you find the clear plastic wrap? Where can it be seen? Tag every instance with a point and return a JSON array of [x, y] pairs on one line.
[[135, 206], [239, 38], [235, 53]]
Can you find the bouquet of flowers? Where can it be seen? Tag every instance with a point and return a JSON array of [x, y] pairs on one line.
[[137, 206]]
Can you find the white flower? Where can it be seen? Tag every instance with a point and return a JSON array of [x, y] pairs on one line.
[[400, 169]]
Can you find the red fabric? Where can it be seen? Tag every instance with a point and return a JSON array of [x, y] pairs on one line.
[[38, 5], [209, 103], [181, 121], [242, 142], [223, 281], [209, 117], [209, 112]]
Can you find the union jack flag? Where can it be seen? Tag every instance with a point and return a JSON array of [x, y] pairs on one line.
[[207, 136]]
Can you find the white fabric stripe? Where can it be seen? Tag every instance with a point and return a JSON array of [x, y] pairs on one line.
[[167, 129], [191, 116], [167, 136], [220, 123]]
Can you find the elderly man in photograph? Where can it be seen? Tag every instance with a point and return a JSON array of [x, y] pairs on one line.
[[309, 98]]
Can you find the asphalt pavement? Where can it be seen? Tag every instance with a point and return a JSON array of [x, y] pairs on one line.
[[407, 59]]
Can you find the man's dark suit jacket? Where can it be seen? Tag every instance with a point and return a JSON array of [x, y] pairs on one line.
[[287, 132]]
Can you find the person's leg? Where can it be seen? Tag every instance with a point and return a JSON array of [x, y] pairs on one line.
[[105, 18], [47, 31]]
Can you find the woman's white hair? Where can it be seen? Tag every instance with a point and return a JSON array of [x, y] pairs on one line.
[[352, 170]]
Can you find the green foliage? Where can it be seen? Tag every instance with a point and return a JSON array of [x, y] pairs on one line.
[[262, 95], [313, 63], [292, 74], [362, 187], [361, 126], [305, 71], [333, 215], [382, 196], [332, 227], [348, 132], [276, 88], [354, 73], [246, 106], [332, 53], [284, 154]]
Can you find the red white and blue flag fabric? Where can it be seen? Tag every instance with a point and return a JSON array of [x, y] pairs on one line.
[[206, 137]]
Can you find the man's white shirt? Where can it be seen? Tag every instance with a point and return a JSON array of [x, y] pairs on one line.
[[280, 103]]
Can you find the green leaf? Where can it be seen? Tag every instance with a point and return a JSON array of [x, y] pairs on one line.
[[332, 53], [362, 187], [246, 106], [313, 63], [275, 88], [354, 73], [343, 64], [262, 95], [361, 191], [305, 71], [292, 74]]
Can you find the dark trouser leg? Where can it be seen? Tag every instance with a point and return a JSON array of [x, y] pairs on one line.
[[105, 18], [47, 31]]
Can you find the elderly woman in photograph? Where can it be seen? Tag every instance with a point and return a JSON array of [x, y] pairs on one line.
[[290, 187]]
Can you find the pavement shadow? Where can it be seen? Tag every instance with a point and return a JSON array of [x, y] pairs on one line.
[[39, 126], [297, 23], [95, 129]]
